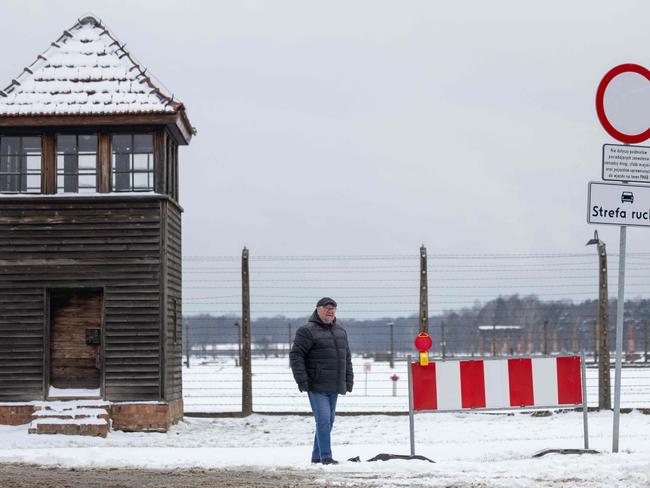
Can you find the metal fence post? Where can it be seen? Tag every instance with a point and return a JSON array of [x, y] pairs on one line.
[[620, 306]]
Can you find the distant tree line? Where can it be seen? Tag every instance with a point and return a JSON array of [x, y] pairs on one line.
[[506, 325]]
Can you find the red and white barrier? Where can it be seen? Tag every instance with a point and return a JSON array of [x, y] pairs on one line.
[[485, 384], [497, 384]]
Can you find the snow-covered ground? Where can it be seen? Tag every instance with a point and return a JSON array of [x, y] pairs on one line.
[[215, 386], [470, 449]]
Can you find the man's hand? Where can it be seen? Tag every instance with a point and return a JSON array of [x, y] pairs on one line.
[[303, 386]]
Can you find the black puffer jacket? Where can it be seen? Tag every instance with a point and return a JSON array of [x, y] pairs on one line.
[[320, 358]]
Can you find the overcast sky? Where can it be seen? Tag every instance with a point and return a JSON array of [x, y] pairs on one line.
[[371, 127]]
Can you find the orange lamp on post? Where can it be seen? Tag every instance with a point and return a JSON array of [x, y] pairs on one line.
[[423, 343]]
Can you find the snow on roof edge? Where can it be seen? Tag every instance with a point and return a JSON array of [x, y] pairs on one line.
[[164, 96]]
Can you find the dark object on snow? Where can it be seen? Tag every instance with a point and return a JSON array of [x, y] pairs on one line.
[[355, 459], [541, 413], [387, 457], [329, 461], [543, 452]]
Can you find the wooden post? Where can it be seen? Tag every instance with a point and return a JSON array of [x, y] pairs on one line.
[[104, 158], [160, 175], [575, 347], [424, 291], [238, 361], [290, 343], [596, 341], [630, 342], [247, 372], [392, 345], [545, 339], [494, 339], [48, 155], [473, 340], [645, 340], [186, 334], [602, 351], [443, 344]]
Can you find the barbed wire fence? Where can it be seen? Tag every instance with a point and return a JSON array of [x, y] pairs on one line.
[[480, 305]]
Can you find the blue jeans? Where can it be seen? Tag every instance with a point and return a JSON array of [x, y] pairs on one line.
[[323, 406]]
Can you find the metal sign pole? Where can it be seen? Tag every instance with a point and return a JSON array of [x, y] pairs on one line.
[[584, 399], [411, 414], [619, 338]]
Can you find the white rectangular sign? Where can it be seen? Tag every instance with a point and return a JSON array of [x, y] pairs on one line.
[[620, 204], [626, 163]]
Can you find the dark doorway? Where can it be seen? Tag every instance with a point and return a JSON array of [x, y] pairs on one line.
[[75, 338]]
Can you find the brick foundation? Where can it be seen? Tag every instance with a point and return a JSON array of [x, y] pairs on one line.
[[146, 417], [16, 414], [98, 430], [130, 417]]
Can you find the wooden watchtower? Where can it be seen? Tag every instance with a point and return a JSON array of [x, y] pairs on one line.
[[90, 227]]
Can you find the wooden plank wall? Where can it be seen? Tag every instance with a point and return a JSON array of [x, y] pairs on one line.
[[21, 342], [112, 243], [174, 321]]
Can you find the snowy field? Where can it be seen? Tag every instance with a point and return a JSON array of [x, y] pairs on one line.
[[215, 386], [470, 449]]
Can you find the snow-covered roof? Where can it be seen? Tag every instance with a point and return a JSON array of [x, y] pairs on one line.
[[87, 71], [499, 327]]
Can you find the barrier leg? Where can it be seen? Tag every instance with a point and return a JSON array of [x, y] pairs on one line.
[[411, 413], [584, 399]]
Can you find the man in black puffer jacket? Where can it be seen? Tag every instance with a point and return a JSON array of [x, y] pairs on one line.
[[322, 366]]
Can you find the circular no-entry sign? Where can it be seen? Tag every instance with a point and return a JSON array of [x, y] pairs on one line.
[[623, 103]]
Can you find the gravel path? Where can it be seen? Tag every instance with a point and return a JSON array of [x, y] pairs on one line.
[[23, 476]]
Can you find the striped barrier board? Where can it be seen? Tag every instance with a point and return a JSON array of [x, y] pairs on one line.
[[497, 384]]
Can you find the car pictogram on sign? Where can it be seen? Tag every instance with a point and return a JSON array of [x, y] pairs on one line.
[[627, 196]]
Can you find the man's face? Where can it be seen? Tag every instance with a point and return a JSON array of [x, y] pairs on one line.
[[327, 314]]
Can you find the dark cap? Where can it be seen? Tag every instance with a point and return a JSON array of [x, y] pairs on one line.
[[323, 302]]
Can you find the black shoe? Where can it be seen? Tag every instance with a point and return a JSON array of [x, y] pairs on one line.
[[315, 461], [329, 461]]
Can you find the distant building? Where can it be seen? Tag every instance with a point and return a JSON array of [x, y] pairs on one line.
[[90, 232]]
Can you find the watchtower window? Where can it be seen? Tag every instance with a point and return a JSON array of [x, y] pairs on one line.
[[76, 163], [132, 162], [20, 164]]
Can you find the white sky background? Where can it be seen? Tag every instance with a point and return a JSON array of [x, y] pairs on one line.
[[329, 128]]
